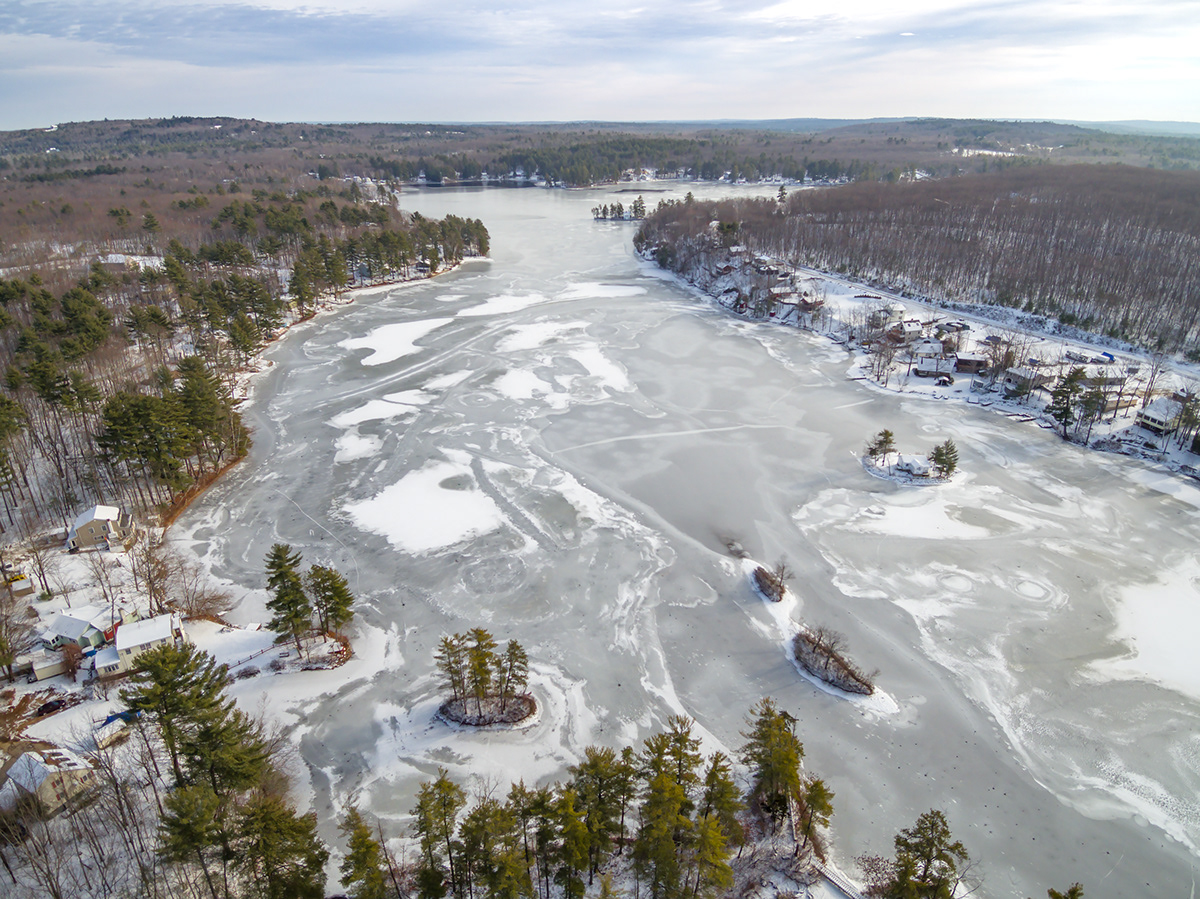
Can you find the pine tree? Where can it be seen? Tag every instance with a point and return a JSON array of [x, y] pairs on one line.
[[176, 687], [438, 805], [663, 827], [363, 867], [190, 830], [512, 672], [595, 783], [881, 444], [773, 754], [290, 604], [945, 457], [573, 845], [278, 851], [452, 665], [480, 665], [929, 862], [721, 798], [331, 598]]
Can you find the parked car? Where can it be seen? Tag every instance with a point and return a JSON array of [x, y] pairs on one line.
[[944, 381], [49, 708]]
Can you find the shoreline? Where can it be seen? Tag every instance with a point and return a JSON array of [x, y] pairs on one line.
[[241, 385], [1156, 459]]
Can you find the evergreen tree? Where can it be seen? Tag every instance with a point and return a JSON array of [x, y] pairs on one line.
[[190, 831], [881, 444], [363, 867], [177, 687], [945, 457], [773, 754], [452, 665], [663, 827], [1063, 398], [331, 598], [595, 784], [573, 845], [512, 672], [929, 863], [480, 665], [721, 798], [289, 603], [438, 805], [278, 851]]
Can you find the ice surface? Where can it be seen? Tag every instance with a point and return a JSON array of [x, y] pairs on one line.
[[1029, 620]]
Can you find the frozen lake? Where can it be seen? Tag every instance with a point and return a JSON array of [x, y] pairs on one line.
[[555, 444]]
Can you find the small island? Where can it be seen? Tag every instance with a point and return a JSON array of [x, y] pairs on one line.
[[486, 687], [883, 460], [773, 583], [819, 652]]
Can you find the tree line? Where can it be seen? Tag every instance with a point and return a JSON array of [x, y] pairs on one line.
[[1112, 249]]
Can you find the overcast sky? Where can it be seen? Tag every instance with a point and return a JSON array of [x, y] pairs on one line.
[[564, 60]]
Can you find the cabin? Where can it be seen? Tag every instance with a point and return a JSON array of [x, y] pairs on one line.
[[1161, 416], [99, 528], [933, 366], [970, 363], [1021, 380], [917, 466]]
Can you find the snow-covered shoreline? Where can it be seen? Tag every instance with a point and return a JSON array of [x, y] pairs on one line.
[[849, 299]]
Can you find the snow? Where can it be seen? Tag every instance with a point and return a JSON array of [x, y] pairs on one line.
[[431, 508], [521, 385], [451, 379], [608, 373], [503, 305], [352, 445], [1159, 621], [387, 408], [587, 291], [531, 336], [391, 342]]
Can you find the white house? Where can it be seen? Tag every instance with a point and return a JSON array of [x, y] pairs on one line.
[[99, 526], [917, 466], [1161, 416], [136, 638]]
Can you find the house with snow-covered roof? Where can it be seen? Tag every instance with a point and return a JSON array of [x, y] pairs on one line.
[[74, 626], [1161, 416], [52, 776], [917, 466], [99, 527], [137, 637]]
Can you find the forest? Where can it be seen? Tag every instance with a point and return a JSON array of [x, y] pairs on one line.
[[118, 371], [1110, 249]]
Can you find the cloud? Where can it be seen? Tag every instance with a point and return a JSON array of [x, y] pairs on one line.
[[568, 59]]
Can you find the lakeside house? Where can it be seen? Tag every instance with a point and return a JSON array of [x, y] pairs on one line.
[[77, 626], [1161, 416], [917, 466], [970, 363], [137, 637], [52, 776], [933, 366], [1022, 380], [100, 527]]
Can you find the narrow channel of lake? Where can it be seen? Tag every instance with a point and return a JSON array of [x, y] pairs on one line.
[[556, 444]]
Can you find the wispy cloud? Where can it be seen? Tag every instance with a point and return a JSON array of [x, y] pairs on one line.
[[740, 57]]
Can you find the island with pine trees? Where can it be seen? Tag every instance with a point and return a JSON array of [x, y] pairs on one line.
[[486, 687]]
